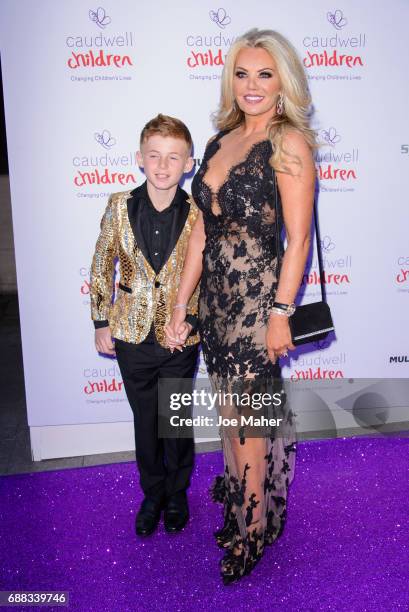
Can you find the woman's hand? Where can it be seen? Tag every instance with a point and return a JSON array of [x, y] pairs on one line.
[[278, 337]]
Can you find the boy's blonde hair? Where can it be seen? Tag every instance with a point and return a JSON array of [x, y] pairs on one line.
[[164, 125]]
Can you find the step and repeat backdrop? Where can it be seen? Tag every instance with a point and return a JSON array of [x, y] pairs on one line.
[[80, 81]]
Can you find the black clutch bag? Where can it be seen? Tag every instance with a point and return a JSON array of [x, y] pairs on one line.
[[310, 322]]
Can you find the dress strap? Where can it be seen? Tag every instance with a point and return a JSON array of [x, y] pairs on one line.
[[218, 136]]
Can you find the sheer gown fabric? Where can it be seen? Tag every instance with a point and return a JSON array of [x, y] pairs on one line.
[[237, 292]]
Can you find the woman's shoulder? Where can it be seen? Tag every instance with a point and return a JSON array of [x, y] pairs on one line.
[[295, 141]]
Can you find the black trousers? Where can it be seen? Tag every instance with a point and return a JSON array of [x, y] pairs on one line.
[[165, 464]]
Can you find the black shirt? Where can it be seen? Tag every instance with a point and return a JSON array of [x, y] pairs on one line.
[[156, 225]]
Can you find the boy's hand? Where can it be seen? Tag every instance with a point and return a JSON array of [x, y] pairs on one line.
[[103, 341]]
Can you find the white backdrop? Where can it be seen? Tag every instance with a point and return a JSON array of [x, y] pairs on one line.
[[81, 80]]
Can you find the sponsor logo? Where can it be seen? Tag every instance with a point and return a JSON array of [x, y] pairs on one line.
[[402, 275], [208, 51], [330, 136], [337, 19], [99, 17], [314, 278], [335, 52], [320, 366], [336, 166], [102, 380], [337, 270], [84, 286], [105, 139], [220, 18], [103, 386], [316, 374], [100, 50], [399, 359], [104, 168]]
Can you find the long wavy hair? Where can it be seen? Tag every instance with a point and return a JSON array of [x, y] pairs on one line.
[[294, 88]]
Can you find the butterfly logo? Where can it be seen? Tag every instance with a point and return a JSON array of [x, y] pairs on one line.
[[330, 136], [105, 139], [220, 17], [327, 245], [99, 17], [337, 19]]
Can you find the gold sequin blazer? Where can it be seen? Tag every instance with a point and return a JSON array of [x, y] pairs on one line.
[[143, 296]]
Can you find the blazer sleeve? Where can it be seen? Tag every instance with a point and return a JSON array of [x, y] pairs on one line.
[[103, 267]]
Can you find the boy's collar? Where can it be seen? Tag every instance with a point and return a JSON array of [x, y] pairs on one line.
[[142, 192]]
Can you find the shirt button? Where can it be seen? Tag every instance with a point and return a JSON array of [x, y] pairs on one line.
[[156, 231], [156, 253], [157, 284]]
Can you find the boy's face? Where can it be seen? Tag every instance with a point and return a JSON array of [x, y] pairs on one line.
[[164, 159]]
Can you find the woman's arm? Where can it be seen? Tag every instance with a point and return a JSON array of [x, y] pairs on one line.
[[297, 197], [192, 271]]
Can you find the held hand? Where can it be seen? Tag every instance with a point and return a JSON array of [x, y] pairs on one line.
[[103, 341], [180, 336], [278, 337], [184, 330], [177, 330]]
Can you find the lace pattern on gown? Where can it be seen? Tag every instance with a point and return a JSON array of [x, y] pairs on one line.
[[237, 291]]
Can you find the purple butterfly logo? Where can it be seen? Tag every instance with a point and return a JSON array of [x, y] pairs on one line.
[[330, 136], [99, 17], [337, 19], [220, 17], [326, 244], [105, 139]]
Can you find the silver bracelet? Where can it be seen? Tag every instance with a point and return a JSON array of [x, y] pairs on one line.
[[179, 306], [280, 311]]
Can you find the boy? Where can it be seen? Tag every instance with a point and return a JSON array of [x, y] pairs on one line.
[[148, 230]]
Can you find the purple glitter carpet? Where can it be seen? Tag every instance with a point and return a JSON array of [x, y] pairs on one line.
[[345, 545]]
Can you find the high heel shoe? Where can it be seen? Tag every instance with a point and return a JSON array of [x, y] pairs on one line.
[[236, 566], [242, 557], [226, 535], [233, 566]]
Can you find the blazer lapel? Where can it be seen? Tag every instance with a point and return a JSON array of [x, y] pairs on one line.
[[135, 221], [178, 224]]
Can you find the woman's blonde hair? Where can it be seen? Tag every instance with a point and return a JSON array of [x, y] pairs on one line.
[[296, 95]]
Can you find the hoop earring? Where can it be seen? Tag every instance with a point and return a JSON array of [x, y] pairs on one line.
[[280, 104]]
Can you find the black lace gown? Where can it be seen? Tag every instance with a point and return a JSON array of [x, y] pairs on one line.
[[237, 292]]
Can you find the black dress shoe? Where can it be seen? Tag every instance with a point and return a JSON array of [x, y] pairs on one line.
[[176, 513], [148, 516]]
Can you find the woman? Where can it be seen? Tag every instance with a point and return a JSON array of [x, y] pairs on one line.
[[263, 135]]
